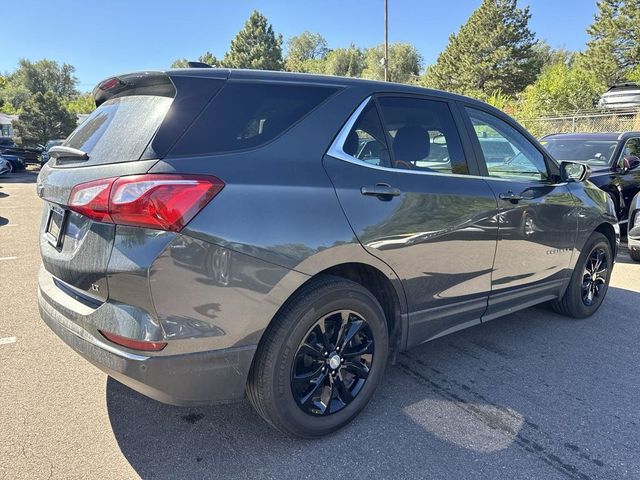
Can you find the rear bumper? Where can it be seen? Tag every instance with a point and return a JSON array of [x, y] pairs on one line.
[[199, 378]]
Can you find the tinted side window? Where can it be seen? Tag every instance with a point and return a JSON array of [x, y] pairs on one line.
[[246, 115], [366, 140], [507, 153], [423, 135], [631, 147]]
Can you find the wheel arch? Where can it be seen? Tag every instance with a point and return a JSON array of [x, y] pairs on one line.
[[609, 232], [387, 291]]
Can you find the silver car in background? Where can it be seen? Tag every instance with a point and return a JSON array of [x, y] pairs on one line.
[[623, 96], [633, 232]]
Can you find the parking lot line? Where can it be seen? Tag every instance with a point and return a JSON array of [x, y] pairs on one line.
[[7, 340], [8, 258]]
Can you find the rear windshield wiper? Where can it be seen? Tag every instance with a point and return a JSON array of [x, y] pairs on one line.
[[59, 152]]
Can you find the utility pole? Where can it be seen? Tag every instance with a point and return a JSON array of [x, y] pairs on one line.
[[386, 42]]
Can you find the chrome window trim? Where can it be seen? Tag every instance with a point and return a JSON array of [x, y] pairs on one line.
[[336, 151]]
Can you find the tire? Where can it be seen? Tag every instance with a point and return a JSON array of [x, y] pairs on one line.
[[575, 302], [635, 255], [281, 356], [11, 168]]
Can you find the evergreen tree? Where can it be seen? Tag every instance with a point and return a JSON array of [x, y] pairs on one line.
[[493, 51], [605, 50], [208, 58], [404, 63], [255, 46], [43, 117]]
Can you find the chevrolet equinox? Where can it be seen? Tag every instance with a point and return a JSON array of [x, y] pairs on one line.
[[209, 234]]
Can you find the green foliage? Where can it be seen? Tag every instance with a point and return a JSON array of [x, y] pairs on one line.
[[255, 46], [605, 53], [345, 62], [559, 89], [306, 53], [81, 104], [36, 77], [208, 58], [404, 63], [493, 51], [42, 118]]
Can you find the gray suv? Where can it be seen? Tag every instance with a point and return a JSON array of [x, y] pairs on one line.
[[209, 234]]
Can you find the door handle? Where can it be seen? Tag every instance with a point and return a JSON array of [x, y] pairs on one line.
[[380, 190], [511, 197]]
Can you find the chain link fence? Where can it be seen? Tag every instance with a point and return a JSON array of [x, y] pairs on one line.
[[584, 122]]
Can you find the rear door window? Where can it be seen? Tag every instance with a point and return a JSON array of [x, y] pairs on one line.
[[423, 135], [247, 115], [120, 129]]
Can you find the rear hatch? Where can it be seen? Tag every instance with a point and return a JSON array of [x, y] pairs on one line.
[[139, 117]]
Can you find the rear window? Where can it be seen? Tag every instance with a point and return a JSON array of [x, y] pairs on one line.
[[247, 115], [120, 129]]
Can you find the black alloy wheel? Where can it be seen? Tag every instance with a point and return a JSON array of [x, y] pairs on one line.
[[594, 278], [332, 363]]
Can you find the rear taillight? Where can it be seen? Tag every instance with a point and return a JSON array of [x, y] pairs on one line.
[[164, 202]]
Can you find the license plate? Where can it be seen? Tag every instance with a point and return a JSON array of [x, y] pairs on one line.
[[55, 225]]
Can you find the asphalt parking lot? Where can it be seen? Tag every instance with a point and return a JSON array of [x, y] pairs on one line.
[[533, 395]]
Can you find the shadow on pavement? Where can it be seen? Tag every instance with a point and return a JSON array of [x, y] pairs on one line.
[[533, 393]]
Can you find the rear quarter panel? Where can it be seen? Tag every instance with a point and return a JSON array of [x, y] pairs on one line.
[[277, 213]]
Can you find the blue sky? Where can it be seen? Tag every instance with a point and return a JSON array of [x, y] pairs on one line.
[[109, 37]]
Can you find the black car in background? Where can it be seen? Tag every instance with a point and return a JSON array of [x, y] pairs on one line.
[[614, 159], [26, 154], [16, 164]]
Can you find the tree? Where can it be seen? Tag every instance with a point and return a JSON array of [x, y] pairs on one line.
[[255, 46], [345, 62], [493, 51], [81, 104], [306, 53], [560, 88], [208, 58], [404, 63], [44, 117], [604, 54], [37, 77], [630, 14]]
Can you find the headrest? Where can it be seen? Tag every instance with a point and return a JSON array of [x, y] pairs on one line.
[[411, 144], [351, 144]]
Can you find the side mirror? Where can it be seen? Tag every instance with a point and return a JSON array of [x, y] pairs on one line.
[[574, 172], [629, 163]]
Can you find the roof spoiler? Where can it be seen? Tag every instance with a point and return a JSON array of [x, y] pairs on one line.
[[140, 83]]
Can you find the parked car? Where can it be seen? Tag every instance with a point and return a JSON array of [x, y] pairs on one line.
[[614, 159], [16, 163], [5, 166], [26, 154], [226, 232], [44, 157], [633, 233], [622, 96]]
